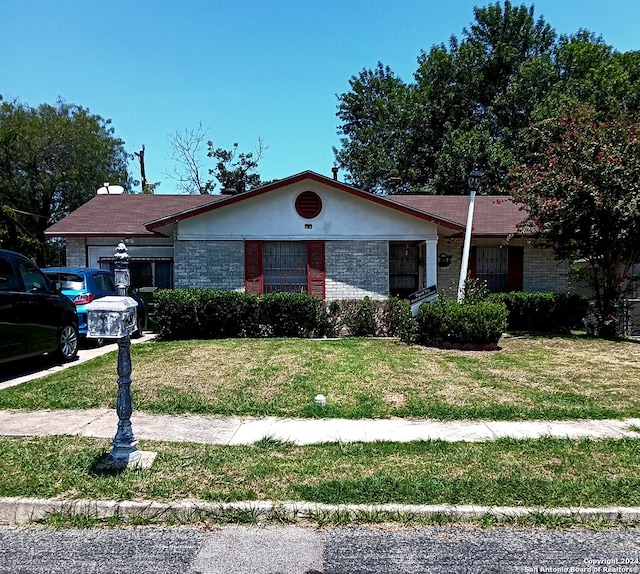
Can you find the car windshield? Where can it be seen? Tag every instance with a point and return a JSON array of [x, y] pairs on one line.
[[68, 280]]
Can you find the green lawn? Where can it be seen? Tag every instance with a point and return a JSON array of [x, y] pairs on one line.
[[541, 473], [529, 378]]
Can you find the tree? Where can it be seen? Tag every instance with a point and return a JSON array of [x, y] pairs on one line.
[[376, 125], [52, 159], [465, 107], [233, 170], [187, 151], [580, 186], [237, 171]]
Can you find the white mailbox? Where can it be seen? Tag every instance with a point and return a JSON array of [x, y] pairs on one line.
[[111, 317]]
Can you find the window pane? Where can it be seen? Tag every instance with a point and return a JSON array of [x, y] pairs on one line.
[[8, 278], [163, 275], [492, 265], [34, 281], [284, 266], [141, 274]]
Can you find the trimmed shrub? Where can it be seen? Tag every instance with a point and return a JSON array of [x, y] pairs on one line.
[[393, 318], [543, 312], [289, 314], [359, 318], [199, 313], [366, 318], [445, 321], [204, 314], [175, 314], [329, 320], [227, 314]]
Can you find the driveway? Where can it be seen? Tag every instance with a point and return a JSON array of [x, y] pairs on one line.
[[18, 372]]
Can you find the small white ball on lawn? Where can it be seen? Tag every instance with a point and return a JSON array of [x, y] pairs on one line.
[[320, 400]]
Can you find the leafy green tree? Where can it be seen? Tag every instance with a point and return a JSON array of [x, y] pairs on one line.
[[52, 159], [236, 171], [376, 115], [464, 109], [470, 100], [579, 183]]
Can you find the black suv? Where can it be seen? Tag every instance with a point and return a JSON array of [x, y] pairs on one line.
[[35, 317]]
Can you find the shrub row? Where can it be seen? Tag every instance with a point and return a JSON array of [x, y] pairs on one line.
[[211, 314], [449, 322], [543, 312]]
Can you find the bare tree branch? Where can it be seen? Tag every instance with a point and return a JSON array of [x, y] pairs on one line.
[[188, 151]]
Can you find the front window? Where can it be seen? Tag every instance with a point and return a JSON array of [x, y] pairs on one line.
[[492, 266], [146, 272], [284, 266]]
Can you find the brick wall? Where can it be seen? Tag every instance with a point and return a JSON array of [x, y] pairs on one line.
[[211, 264], [541, 272], [76, 254], [355, 269]]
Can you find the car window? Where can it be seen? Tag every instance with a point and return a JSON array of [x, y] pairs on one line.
[[67, 280], [72, 281], [103, 281], [8, 278], [34, 281]]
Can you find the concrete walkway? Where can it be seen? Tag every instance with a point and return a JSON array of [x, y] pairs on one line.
[[237, 431]]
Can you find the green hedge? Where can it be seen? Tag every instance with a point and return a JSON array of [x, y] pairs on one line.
[[204, 314], [198, 313], [543, 312], [288, 314], [449, 322]]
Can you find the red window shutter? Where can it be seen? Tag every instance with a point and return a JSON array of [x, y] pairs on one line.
[[515, 269], [317, 275], [253, 267]]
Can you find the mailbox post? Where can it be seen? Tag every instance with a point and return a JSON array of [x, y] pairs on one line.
[[115, 317]]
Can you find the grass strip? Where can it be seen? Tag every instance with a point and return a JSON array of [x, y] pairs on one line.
[[545, 472], [544, 378]]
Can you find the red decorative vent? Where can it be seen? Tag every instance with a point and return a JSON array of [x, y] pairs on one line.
[[308, 204]]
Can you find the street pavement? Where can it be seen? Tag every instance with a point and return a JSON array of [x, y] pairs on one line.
[[296, 550]]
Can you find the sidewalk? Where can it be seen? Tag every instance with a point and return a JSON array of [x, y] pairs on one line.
[[239, 431], [246, 430]]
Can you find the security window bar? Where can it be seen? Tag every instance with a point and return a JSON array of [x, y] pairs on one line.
[[493, 266], [284, 266]]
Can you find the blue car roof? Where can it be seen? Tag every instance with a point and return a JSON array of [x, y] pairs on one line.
[[74, 269]]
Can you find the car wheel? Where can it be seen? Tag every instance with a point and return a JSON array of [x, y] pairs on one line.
[[68, 343]]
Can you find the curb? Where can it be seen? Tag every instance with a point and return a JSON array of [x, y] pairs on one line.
[[22, 511]]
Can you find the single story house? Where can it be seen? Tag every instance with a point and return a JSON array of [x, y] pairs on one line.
[[309, 233]]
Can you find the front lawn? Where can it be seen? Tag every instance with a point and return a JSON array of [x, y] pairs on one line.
[[544, 472], [529, 378]]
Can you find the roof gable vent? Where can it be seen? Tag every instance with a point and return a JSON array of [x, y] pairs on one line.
[[308, 204]]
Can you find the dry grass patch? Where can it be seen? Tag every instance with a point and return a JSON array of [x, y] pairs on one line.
[[529, 378]]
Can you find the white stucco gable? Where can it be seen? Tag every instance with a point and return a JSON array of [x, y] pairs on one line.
[[273, 215]]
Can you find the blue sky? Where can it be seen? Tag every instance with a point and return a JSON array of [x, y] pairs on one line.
[[250, 69]]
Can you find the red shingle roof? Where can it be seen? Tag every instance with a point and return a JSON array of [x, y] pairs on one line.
[[115, 215], [492, 215], [139, 215]]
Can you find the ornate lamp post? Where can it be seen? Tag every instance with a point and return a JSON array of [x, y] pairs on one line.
[[125, 446], [473, 181], [115, 317]]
